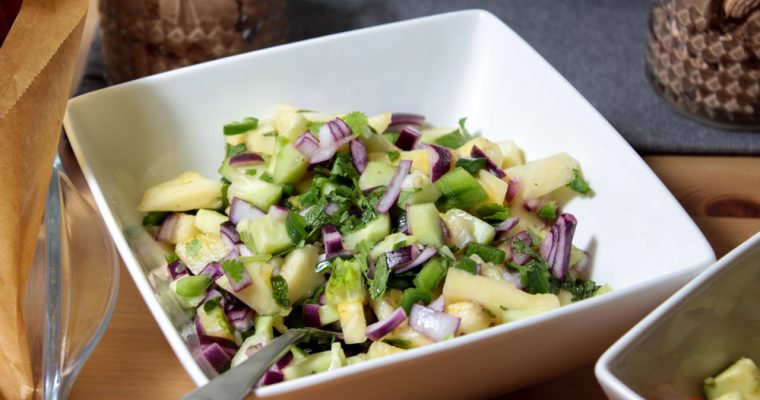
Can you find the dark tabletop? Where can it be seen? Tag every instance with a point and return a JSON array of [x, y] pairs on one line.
[[598, 45]]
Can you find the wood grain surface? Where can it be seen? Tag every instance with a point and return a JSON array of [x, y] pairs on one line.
[[134, 361]]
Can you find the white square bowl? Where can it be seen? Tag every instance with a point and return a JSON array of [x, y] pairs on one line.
[[467, 63], [698, 332]]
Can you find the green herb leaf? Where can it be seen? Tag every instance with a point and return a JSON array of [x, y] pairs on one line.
[[452, 140], [234, 269], [548, 210], [232, 151], [493, 212], [379, 281], [236, 128], [171, 257], [251, 172], [154, 218], [487, 253], [400, 343], [357, 121], [210, 305], [394, 155], [225, 190], [343, 167], [296, 227], [471, 165], [193, 247], [579, 184], [266, 177], [580, 288], [280, 291], [462, 128], [467, 264]]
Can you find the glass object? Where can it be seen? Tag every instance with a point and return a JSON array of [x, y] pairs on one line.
[[703, 57], [143, 37], [71, 290]]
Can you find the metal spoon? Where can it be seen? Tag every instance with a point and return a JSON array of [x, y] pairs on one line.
[[237, 382]]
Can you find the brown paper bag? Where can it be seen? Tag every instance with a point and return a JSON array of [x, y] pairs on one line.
[[36, 69]]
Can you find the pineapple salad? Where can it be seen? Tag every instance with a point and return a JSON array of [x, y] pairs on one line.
[[391, 233]]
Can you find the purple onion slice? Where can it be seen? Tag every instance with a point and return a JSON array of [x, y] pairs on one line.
[[435, 325], [311, 315], [214, 270], [438, 304], [507, 225], [307, 144], [168, 228], [243, 250], [271, 377], [227, 229], [238, 285], [278, 212], [555, 248], [513, 187], [216, 356], [246, 159], [407, 138], [440, 161], [332, 240], [531, 205], [401, 257], [241, 209], [490, 165], [399, 120], [359, 155], [394, 188], [421, 259], [177, 269], [514, 279], [379, 329]]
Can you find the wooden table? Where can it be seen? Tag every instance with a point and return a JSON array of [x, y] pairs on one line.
[[134, 361]]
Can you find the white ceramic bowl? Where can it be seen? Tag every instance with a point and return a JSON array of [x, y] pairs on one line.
[[698, 332], [467, 63]]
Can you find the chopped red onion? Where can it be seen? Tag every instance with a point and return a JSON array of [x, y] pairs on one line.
[[311, 315], [271, 377], [399, 120], [216, 356], [227, 229], [440, 161], [490, 165], [323, 298], [421, 259], [284, 361], [401, 257], [331, 208], [407, 138], [244, 282], [359, 155], [343, 127], [332, 240], [241, 209], [444, 229], [507, 225], [531, 205], [278, 212], [214, 270], [435, 325], [514, 279], [177, 269], [520, 258], [240, 317], [394, 188], [438, 304], [307, 144], [379, 329], [513, 187], [168, 227], [555, 248], [245, 159], [243, 250]]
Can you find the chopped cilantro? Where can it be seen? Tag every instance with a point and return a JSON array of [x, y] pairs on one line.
[[154, 218], [236, 128], [280, 291], [193, 247], [251, 172], [379, 281], [357, 121], [393, 155], [296, 227], [471, 165], [548, 210], [493, 212], [225, 190], [211, 304], [288, 189], [172, 257], [232, 151], [400, 343], [234, 269], [467, 264], [266, 177], [579, 184], [580, 288], [343, 167], [462, 128], [452, 140]]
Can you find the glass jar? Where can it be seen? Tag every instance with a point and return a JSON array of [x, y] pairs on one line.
[[144, 37], [703, 57]]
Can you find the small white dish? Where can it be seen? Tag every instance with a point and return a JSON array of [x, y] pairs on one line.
[[698, 332], [467, 63]]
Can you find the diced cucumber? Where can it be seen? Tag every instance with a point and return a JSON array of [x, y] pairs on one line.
[[465, 228], [492, 294], [263, 334], [298, 271], [265, 235], [373, 232], [352, 322], [378, 143], [376, 174], [201, 249], [289, 165], [328, 314], [214, 322], [311, 364], [208, 221], [743, 377], [259, 294], [289, 122], [234, 173], [256, 191], [425, 223], [430, 275], [345, 284], [381, 349], [190, 289], [188, 191], [431, 135], [459, 190], [262, 139], [388, 242], [337, 357], [419, 159], [417, 188]]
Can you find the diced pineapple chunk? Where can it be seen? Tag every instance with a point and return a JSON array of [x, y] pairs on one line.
[[494, 186], [513, 155], [472, 316], [528, 220], [298, 271], [202, 249], [352, 322], [465, 228], [491, 271], [259, 294], [289, 122], [382, 349], [262, 140], [491, 149], [541, 177], [208, 221], [419, 160], [188, 191], [408, 335], [184, 229], [379, 122], [491, 293]]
